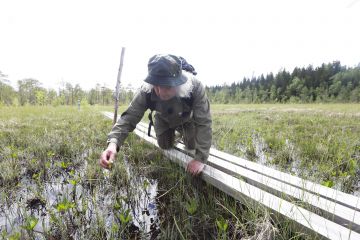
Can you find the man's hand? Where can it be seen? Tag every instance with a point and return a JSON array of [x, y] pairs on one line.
[[195, 167], [108, 156]]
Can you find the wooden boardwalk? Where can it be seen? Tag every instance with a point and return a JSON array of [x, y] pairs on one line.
[[318, 210]]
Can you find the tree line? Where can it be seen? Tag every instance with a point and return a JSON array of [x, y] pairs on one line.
[[31, 92], [329, 82]]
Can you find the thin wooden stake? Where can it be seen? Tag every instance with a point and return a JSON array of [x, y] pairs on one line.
[[117, 91]]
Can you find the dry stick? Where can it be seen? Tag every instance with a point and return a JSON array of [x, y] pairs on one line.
[[177, 227], [170, 188], [117, 91]]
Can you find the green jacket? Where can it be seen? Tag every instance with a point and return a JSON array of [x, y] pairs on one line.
[[200, 115]]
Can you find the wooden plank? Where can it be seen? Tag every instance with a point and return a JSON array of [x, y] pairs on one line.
[[249, 194], [108, 114], [333, 194], [337, 196], [341, 214]]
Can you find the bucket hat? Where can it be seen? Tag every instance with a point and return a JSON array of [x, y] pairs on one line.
[[165, 70]]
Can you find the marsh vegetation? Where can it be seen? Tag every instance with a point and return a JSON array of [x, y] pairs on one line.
[[51, 186]]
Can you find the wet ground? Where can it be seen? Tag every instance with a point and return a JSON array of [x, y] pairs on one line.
[[260, 153], [133, 206]]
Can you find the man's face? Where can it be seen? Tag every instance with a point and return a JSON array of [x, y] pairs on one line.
[[165, 93]]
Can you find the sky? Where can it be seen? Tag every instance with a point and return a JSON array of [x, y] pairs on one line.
[[225, 40]]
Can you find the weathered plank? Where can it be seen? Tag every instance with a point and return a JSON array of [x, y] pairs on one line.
[[333, 194]]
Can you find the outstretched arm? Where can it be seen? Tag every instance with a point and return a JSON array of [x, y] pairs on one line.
[[203, 134], [126, 123], [203, 123]]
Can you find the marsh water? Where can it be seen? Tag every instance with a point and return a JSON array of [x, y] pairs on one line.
[[260, 153], [42, 199]]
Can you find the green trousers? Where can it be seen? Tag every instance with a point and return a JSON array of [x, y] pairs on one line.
[[166, 136]]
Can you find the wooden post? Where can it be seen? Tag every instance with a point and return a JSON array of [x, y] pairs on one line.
[[117, 91]]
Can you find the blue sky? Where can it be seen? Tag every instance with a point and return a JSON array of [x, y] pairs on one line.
[[80, 41]]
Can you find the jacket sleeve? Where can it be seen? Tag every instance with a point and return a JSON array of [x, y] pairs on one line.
[[128, 120], [203, 122]]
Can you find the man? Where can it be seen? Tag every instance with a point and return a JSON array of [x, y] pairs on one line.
[[180, 103]]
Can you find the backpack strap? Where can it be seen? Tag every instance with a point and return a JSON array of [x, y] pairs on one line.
[[151, 123], [188, 101], [151, 105]]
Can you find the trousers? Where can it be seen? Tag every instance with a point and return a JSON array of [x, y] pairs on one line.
[[166, 137]]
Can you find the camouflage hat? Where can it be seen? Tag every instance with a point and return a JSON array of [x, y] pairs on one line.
[[165, 70]]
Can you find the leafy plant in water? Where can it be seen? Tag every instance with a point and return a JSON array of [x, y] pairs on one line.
[[72, 181], [125, 217], [64, 165], [191, 206], [14, 236], [64, 205], [36, 176], [50, 154], [328, 183], [352, 167], [30, 223], [34, 161], [117, 205], [146, 184], [222, 226]]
